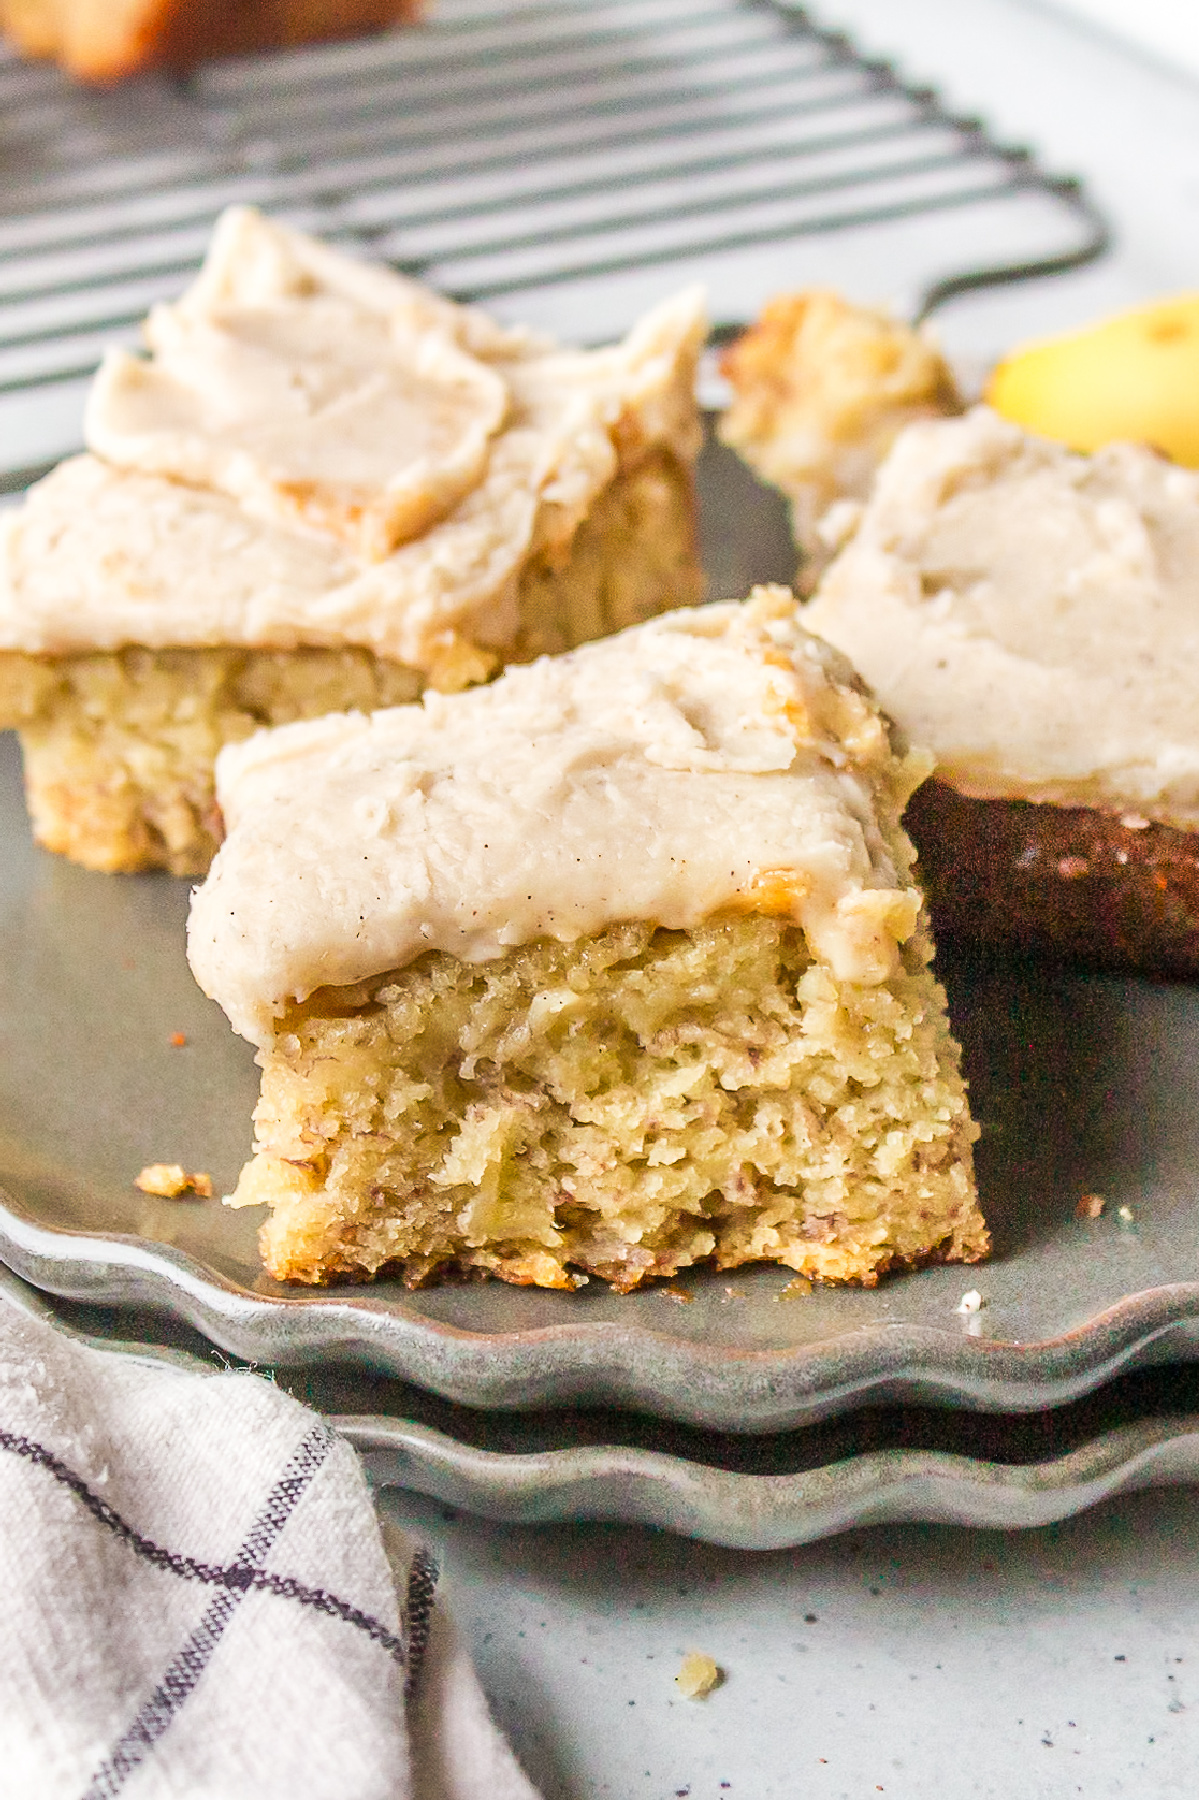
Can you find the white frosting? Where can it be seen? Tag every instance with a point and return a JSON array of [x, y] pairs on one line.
[[1030, 616], [304, 407], [711, 759], [153, 546], [320, 452]]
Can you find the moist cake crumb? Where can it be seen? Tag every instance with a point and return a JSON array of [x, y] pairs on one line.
[[698, 1675], [169, 1181]]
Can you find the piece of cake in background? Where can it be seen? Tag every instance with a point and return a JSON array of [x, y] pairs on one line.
[[613, 967], [821, 390], [107, 40], [326, 488], [1031, 617]]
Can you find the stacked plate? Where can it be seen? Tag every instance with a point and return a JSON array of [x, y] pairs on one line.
[[727, 1407]]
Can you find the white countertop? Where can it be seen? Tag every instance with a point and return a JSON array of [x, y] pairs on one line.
[[1167, 29], [1091, 106], [920, 1662]]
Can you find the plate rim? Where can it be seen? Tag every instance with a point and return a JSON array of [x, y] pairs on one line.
[[726, 1387], [746, 1511], [749, 1511]]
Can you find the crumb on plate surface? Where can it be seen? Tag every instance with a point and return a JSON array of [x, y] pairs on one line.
[[170, 1181], [698, 1675]]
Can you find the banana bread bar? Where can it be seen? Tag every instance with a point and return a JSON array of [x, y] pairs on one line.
[[821, 390], [610, 968], [326, 488], [1030, 616]]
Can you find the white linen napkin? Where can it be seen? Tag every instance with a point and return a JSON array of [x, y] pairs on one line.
[[198, 1601]]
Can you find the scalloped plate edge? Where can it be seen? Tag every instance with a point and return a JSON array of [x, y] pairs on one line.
[[719, 1506], [774, 1512], [606, 1363]]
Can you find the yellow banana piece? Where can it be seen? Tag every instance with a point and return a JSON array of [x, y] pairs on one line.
[[1134, 377]]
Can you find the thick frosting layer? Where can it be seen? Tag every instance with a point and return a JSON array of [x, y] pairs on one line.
[[306, 407], [153, 546], [250, 484], [1030, 616], [715, 758]]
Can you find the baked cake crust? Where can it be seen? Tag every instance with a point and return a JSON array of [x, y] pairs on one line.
[[608, 969], [821, 390], [1117, 893]]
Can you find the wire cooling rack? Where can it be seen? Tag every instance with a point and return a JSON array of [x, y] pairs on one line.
[[567, 162]]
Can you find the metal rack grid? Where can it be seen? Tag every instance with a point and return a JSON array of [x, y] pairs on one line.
[[566, 162]]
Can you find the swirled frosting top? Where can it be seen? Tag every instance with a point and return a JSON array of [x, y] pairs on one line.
[[321, 452], [1030, 616], [717, 758]]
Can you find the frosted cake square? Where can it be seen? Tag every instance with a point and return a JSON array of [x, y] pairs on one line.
[[821, 389], [324, 488], [611, 968], [1030, 616]]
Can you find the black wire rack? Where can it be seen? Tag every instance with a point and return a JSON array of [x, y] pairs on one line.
[[566, 162]]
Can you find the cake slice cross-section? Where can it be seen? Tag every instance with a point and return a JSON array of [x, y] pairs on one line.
[[611, 968]]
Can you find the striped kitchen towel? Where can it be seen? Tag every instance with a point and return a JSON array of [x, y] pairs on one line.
[[197, 1601]]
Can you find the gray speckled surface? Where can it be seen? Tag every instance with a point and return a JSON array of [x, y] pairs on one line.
[[914, 1661]]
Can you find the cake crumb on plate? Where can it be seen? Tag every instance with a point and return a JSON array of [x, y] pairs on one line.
[[698, 1675], [170, 1181]]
